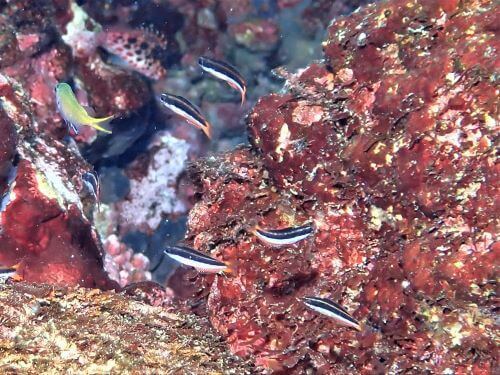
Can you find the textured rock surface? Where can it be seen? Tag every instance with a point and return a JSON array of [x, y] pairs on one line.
[[46, 212], [389, 148], [43, 221], [43, 329]]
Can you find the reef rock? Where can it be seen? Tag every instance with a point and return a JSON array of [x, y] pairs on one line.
[[389, 148], [44, 207], [43, 329]]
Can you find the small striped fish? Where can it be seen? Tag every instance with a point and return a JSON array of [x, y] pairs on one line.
[[225, 72], [190, 257], [285, 236], [9, 273], [91, 181], [333, 310], [187, 110]]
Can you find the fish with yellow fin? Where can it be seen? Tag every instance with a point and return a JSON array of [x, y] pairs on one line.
[[74, 113]]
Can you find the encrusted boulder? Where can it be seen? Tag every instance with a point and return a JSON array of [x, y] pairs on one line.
[[389, 148]]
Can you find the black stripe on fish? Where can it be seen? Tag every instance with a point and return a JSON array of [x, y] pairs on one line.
[[194, 258], [6, 271], [91, 180], [224, 68], [286, 233], [224, 72], [183, 104], [331, 309]]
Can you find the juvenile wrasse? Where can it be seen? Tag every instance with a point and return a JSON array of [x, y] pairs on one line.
[[225, 72], [193, 258], [285, 236], [333, 310], [75, 114], [187, 110]]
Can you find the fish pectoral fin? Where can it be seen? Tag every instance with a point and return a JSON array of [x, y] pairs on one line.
[[72, 127]]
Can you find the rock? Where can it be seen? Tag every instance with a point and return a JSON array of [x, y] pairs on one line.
[[388, 147], [89, 331], [44, 225], [258, 35]]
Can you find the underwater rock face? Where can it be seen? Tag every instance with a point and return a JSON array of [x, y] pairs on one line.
[[46, 211], [45, 329], [43, 222], [388, 148]]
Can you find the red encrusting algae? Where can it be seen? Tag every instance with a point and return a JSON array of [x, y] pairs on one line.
[[389, 148]]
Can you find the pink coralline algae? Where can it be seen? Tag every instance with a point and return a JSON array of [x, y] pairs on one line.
[[389, 148], [153, 187], [122, 265]]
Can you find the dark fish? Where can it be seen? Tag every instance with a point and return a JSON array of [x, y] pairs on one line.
[[91, 181], [190, 257], [333, 310], [286, 236], [184, 108], [225, 72]]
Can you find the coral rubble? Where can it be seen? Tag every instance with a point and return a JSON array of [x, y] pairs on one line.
[[389, 147], [45, 329]]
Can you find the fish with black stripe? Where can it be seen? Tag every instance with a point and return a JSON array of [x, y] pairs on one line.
[[193, 258], [225, 72], [187, 110], [333, 310], [285, 236], [91, 181], [7, 273]]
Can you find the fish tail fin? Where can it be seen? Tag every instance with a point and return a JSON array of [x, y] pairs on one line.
[[16, 266], [243, 95], [99, 123], [255, 229], [17, 277], [230, 270], [207, 129]]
